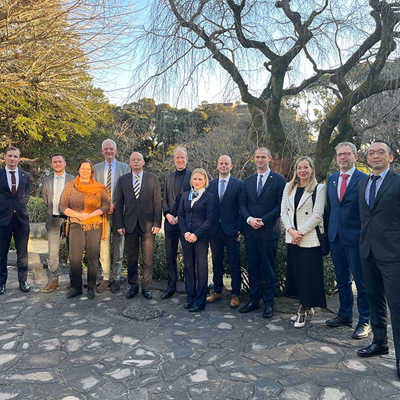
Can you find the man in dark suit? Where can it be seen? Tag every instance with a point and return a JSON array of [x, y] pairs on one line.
[[175, 184], [227, 231], [344, 236], [15, 188], [138, 217], [260, 207], [379, 200], [53, 186]]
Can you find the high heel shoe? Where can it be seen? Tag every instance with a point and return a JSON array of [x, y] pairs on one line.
[[300, 320], [293, 318]]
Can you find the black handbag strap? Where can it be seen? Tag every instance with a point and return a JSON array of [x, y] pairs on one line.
[[313, 197]]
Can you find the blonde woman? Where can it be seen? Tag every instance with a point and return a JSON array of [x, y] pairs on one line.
[[301, 214]]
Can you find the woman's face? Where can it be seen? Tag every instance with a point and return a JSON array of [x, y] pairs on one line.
[[304, 170], [198, 181], [85, 171]]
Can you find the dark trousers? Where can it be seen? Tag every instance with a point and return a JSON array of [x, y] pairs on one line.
[[146, 240], [195, 258], [261, 256], [218, 243], [382, 280], [347, 262], [20, 232], [171, 251], [80, 240]]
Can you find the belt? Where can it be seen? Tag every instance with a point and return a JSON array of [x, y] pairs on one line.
[[59, 216]]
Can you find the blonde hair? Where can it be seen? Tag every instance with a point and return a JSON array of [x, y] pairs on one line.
[[200, 171], [295, 179]]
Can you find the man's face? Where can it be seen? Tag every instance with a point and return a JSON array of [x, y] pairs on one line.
[[109, 151], [379, 157], [262, 159], [12, 159], [345, 158], [180, 160], [224, 165], [58, 164], [136, 162]]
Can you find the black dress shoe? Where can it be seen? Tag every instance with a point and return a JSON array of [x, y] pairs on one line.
[[196, 308], [167, 294], [374, 349], [90, 293], [131, 293], [115, 287], [361, 331], [251, 306], [73, 293], [187, 306], [398, 368], [268, 312], [2, 289], [24, 287], [338, 321]]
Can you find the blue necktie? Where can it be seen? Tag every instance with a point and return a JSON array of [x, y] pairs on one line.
[[259, 186], [372, 191], [221, 189]]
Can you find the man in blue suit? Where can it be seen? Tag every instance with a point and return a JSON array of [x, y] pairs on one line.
[[15, 188], [344, 236], [260, 207], [227, 231]]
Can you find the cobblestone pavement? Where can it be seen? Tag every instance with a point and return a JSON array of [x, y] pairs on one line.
[[109, 348]]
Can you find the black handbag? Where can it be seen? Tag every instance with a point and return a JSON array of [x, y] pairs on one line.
[[322, 236]]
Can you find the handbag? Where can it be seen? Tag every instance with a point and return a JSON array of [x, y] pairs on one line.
[[322, 236]]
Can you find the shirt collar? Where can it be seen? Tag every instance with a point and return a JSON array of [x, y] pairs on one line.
[[113, 163], [382, 174], [265, 174], [140, 174], [12, 170], [226, 179], [59, 176], [350, 172]]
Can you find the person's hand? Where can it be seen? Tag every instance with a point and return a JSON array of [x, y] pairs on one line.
[[112, 208], [171, 219], [296, 236], [84, 216], [193, 238], [155, 230], [187, 236], [121, 231], [256, 223]]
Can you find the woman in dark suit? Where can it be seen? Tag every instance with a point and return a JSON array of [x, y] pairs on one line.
[[196, 216]]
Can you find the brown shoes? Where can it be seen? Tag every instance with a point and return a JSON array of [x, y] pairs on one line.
[[103, 286], [51, 286], [214, 297], [235, 302]]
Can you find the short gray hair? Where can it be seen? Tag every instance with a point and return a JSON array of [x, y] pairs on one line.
[[264, 150], [109, 141], [182, 149], [349, 144]]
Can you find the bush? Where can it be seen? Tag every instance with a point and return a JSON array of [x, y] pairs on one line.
[[37, 209]]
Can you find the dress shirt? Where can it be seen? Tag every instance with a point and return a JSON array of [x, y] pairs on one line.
[[350, 172], [134, 174], [378, 184], [9, 177], [226, 179], [264, 178], [113, 169], [194, 199], [58, 187]]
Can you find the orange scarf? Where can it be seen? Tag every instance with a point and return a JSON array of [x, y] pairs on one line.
[[92, 202]]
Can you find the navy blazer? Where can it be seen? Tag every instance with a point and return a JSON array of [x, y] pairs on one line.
[[266, 206], [17, 204], [200, 218], [344, 216], [227, 210]]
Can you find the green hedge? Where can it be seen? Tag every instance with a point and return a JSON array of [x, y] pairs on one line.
[[37, 209]]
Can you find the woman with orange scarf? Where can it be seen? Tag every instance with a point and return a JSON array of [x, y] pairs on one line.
[[85, 202]]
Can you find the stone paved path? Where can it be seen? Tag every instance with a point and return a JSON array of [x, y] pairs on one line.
[[54, 348]]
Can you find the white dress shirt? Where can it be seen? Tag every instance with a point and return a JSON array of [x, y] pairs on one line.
[[9, 177], [58, 187], [350, 172]]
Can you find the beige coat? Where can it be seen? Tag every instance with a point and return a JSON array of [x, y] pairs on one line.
[[307, 216]]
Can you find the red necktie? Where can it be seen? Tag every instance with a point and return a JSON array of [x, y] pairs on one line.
[[343, 185], [13, 183]]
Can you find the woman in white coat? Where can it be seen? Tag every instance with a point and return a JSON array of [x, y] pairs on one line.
[[300, 218]]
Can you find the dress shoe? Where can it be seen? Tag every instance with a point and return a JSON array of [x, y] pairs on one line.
[[24, 287], [167, 294], [51, 286], [235, 302], [398, 368], [196, 308], [187, 306], [73, 293], [2, 289], [338, 321], [361, 331], [115, 287], [147, 294], [268, 312], [131, 293], [214, 297], [251, 306], [374, 349], [90, 293], [103, 286]]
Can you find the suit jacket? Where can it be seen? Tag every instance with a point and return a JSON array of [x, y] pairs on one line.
[[266, 206], [9, 204], [200, 218], [227, 210], [48, 192], [344, 217], [380, 227], [144, 211], [308, 215], [171, 199]]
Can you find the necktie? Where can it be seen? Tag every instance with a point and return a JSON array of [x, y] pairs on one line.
[[57, 193], [372, 190], [136, 187], [259, 186], [13, 183], [343, 185], [108, 182], [221, 189]]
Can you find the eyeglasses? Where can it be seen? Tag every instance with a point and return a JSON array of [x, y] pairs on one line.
[[380, 152]]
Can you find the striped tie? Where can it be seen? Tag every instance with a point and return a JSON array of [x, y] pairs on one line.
[[136, 187], [108, 182]]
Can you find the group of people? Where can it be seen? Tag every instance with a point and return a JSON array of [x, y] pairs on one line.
[[112, 206]]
